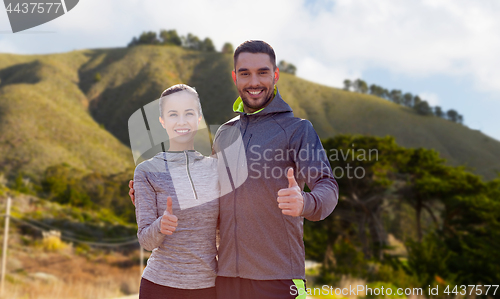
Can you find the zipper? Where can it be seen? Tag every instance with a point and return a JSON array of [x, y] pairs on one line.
[[237, 252], [189, 175]]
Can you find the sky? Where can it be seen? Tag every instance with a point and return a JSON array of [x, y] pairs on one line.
[[446, 51]]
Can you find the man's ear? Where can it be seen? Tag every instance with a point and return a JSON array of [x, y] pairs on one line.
[[162, 122], [276, 75], [233, 73]]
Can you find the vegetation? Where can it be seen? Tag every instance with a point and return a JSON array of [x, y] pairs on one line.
[[53, 109], [227, 48], [287, 67], [407, 99], [170, 37], [451, 237]]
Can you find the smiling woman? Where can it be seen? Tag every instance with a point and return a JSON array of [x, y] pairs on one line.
[[180, 115], [177, 206]]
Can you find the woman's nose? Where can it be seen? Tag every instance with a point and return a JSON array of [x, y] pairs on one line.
[[182, 120]]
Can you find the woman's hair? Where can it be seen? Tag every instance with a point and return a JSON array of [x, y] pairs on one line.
[[177, 88]]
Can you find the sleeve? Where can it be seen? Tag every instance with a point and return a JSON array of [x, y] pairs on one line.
[[313, 168], [146, 212]]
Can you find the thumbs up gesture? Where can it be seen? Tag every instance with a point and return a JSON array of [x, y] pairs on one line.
[[290, 199], [168, 220]]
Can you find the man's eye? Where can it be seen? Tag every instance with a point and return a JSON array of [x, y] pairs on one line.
[[244, 74], [263, 73]]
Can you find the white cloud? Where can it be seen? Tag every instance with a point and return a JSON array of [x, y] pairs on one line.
[[327, 40]]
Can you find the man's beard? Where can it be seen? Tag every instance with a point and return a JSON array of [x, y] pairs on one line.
[[260, 106]]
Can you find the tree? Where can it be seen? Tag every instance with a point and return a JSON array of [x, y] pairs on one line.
[[133, 42], [420, 190], [396, 96], [170, 37], [148, 38], [207, 45], [287, 67], [347, 84], [416, 101], [460, 119], [452, 115], [408, 99], [191, 42], [376, 90], [373, 162], [360, 86], [227, 48], [423, 108], [438, 112]]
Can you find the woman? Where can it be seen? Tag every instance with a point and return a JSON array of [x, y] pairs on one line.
[[177, 206]]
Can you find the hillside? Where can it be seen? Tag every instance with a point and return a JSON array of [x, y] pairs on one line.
[[44, 119], [70, 94]]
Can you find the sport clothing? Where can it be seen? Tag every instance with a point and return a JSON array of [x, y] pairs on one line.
[[150, 290], [241, 288], [256, 240], [187, 258]]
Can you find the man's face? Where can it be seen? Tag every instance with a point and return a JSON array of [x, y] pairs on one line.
[[254, 76]]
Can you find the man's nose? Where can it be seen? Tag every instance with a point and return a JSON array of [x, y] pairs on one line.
[[254, 80]]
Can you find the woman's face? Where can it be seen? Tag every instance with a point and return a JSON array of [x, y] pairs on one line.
[[181, 119]]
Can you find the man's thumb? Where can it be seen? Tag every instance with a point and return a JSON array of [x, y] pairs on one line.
[[291, 179], [169, 206]]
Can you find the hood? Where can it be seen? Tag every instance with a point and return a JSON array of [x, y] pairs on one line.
[[276, 105], [179, 156]]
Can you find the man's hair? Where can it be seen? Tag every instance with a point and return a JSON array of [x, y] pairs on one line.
[[255, 46], [178, 88]]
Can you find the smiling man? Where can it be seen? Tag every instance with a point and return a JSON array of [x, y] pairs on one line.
[[261, 252], [255, 80]]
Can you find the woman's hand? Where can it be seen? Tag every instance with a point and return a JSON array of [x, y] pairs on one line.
[[168, 220], [131, 191]]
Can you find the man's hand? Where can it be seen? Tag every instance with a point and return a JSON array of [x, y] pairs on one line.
[[131, 191], [168, 220], [290, 199]]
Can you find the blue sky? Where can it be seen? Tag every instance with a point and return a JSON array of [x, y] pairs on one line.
[[445, 51]]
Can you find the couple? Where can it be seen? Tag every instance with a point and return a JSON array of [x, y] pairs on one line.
[[181, 196]]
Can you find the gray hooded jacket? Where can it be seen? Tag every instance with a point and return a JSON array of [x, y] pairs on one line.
[[187, 258], [256, 240]]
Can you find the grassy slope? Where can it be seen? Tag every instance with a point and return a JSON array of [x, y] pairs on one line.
[[44, 119], [133, 77]]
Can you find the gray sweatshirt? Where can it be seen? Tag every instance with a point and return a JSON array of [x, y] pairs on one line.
[[187, 258], [256, 240]]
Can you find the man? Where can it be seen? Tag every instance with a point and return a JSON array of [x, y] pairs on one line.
[[261, 251]]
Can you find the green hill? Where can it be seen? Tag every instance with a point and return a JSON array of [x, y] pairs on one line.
[[44, 119], [51, 107]]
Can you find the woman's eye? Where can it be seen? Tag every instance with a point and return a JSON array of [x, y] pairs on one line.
[[173, 115], [190, 113]]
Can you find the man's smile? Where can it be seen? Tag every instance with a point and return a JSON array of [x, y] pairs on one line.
[[255, 92]]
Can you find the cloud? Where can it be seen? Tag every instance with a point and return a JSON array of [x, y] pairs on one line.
[[328, 40]]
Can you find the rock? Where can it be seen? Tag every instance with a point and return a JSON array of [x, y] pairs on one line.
[[45, 277]]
